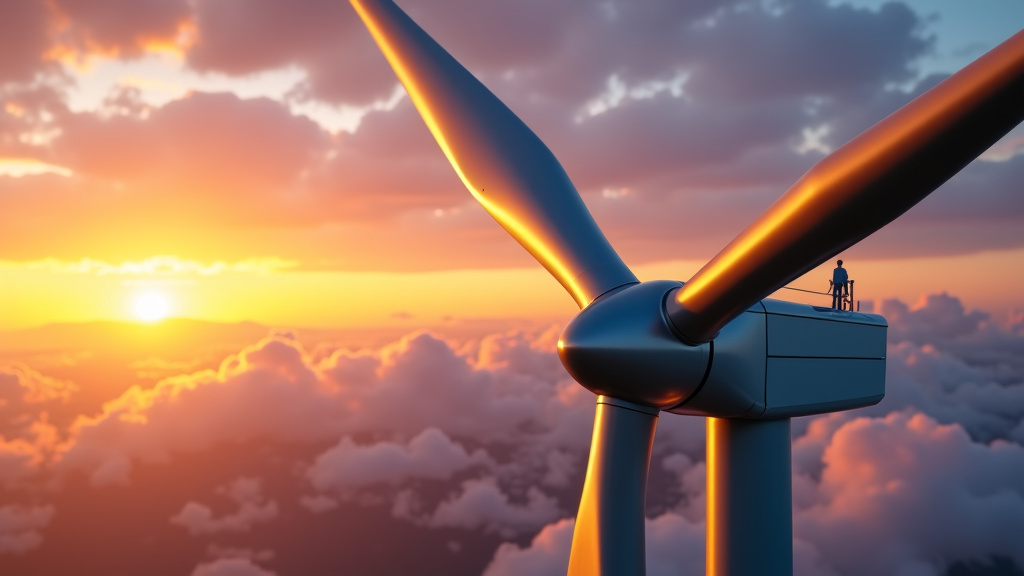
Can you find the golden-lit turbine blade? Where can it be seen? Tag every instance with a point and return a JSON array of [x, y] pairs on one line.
[[859, 188], [608, 539], [502, 162]]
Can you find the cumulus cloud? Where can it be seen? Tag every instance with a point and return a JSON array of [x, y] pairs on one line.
[[482, 505], [31, 447], [431, 454], [951, 390], [199, 411], [253, 509], [19, 383], [224, 552], [918, 494], [231, 567], [418, 383], [21, 526], [954, 364], [674, 546], [318, 504], [18, 460], [691, 477], [547, 554], [913, 479], [421, 381], [936, 318], [942, 321], [561, 467], [490, 436]]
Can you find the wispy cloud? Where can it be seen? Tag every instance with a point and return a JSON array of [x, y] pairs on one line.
[[160, 266]]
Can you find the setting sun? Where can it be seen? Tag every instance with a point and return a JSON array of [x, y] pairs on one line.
[[151, 307]]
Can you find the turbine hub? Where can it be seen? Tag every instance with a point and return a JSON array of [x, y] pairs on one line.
[[623, 346]]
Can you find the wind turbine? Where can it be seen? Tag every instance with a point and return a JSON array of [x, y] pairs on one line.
[[710, 347]]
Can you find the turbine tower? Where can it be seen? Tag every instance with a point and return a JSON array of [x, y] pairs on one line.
[[711, 346]]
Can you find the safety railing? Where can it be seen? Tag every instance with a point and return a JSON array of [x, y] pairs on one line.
[[845, 301]]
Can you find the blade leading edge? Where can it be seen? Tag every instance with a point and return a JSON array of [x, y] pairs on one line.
[[500, 160], [858, 189]]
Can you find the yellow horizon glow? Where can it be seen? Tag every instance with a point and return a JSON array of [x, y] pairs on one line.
[[278, 293]]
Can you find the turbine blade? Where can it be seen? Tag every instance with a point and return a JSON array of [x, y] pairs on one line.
[[608, 539], [857, 189], [500, 160]]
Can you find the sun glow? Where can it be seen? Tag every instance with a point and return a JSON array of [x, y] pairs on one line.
[[151, 307]]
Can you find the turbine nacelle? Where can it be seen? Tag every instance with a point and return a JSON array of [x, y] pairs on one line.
[[778, 359]]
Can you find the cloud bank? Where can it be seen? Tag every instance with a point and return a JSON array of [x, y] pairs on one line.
[[679, 124], [488, 438]]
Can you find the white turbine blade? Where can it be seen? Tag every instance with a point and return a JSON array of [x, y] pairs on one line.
[[858, 189], [500, 160], [608, 539]]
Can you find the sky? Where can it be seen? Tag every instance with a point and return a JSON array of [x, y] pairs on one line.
[[224, 153], [252, 323]]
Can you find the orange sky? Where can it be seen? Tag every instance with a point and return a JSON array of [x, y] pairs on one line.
[[289, 181], [274, 293]]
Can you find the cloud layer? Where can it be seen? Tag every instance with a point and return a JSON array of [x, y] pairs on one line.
[[484, 441], [678, 123]]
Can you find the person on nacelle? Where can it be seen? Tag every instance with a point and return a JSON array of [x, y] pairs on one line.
[[838, 285]]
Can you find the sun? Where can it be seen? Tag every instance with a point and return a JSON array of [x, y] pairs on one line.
[[151, 307]]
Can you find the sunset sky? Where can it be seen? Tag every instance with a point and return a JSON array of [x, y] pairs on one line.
[[258, 161], [224, 230]]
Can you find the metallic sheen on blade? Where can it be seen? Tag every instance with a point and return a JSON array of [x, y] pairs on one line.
[[858, 189], [500, 160]]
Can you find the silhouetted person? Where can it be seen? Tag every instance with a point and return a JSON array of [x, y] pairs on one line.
[[838, 285]]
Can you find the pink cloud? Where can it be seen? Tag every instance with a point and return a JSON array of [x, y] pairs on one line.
[[415, 384], [711, 131], [318, 504], [231, 567], [489, 436], [20, 527], [226, 552], [28, 446], [674, 545], [250, 148], [919, 495], [547, 554], [421, 381], [253, 509], [24, 28], [933, 317], [483, 505], [915, 493], [430, 454], [202, 410], [19, 460], [19, 383], [112, 26]]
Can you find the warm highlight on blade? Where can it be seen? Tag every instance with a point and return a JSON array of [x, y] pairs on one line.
[[505, 166], [859, 188]]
